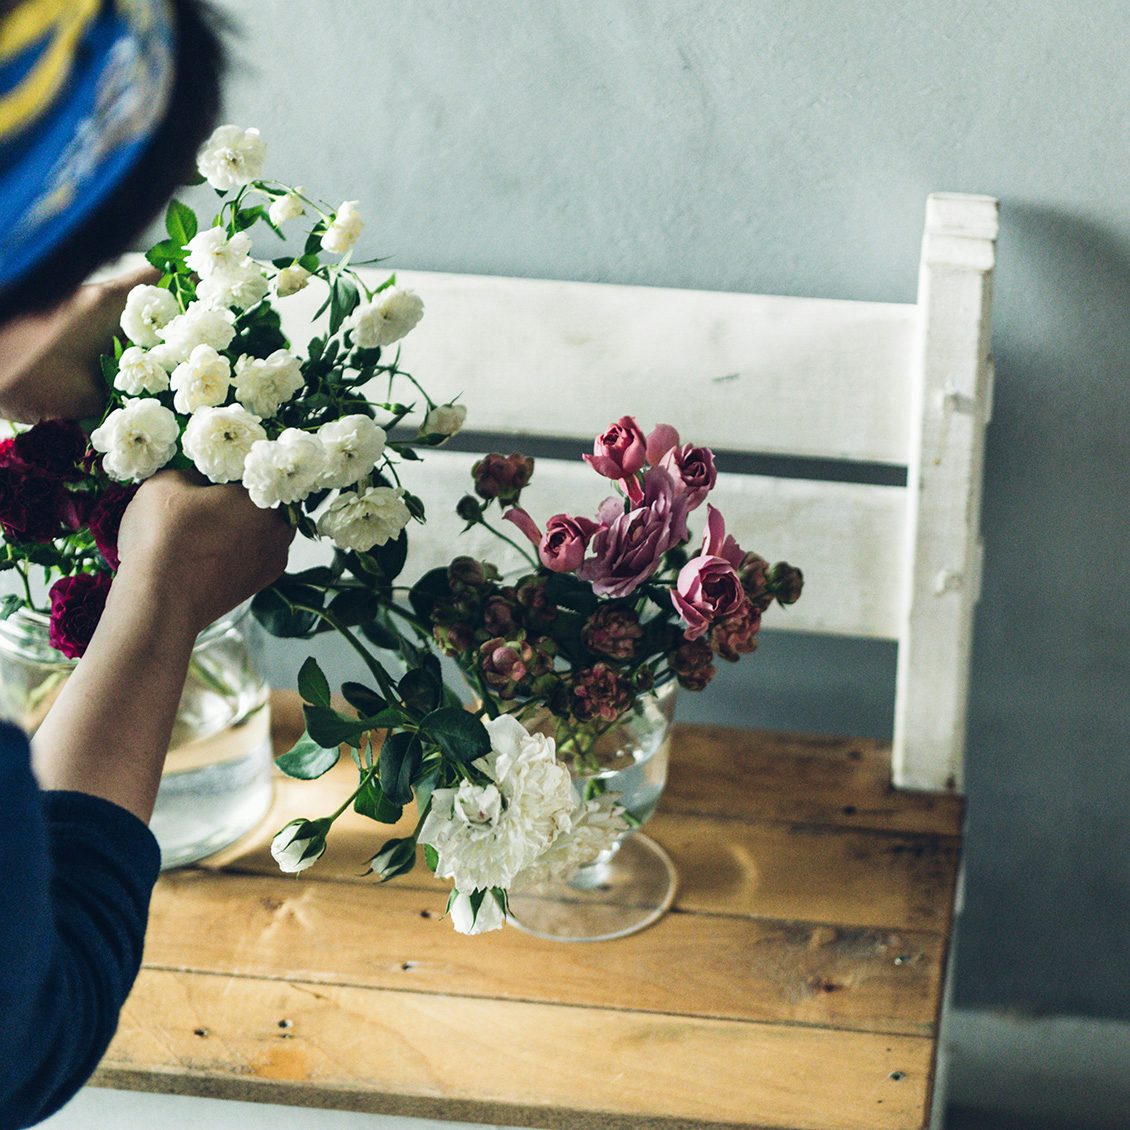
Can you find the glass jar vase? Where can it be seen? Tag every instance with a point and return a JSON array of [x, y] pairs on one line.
[[217, 782]]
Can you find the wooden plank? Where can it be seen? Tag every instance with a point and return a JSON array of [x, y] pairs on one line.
[[509, 1062], [392, 937]]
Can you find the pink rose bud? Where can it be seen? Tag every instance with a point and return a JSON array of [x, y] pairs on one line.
[[619, 452], [708, 588], [562, 549]]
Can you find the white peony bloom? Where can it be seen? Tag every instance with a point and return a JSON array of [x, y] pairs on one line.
[[343, 231], [137, 439], [391, 315], [202, 381], [231, 157], [213, 252], [138, 373], [444, 420], [263, 385], [242, 289], [148, 309], [480, 845], [363, 519], [597, 825], [283, 470], [353, 445], [283, 208], [299, 845], [465, 919], [290, 280], [217, 440], [200, 324]]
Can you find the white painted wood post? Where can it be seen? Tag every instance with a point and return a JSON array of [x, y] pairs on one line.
[[950, 407]]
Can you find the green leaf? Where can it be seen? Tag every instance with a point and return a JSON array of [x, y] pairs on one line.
[[343, 301], [379, 633], [313, 684], [362, 698], [396, 857], [431, 857], [460, 735], [307, 759], [372, 802], [246, 217], [431, 588], [421, 689], [109, 366], [275, 609], [330, 728], [10, 603], [167, 253], [400, 756], [180, 222], [353, 606]]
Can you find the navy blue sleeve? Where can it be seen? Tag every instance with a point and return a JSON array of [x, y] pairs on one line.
[[76, 873]]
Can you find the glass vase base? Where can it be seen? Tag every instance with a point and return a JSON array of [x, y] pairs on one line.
[[609, 899]]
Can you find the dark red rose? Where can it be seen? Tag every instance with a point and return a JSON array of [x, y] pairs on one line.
[[612, 630], [29, 505], [692, 663], [76, 607], [106, 520], [53, 446], [8, 454], [502, 476], [73, 510]]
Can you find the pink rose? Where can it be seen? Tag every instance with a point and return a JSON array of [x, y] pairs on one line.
[[708, 589], [717, 543], [76, 607], [660, 440], [619, 452], [562, 547], [693, 470]]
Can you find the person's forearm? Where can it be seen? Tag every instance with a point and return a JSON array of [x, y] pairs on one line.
[[108, 732]]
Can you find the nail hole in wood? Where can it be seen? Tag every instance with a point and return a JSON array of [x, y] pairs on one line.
[[201, 1032]]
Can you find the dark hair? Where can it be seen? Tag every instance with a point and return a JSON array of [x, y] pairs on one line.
[[165, 163]]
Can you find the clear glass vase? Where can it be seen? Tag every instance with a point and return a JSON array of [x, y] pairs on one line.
[[218, 778], [632, 885]]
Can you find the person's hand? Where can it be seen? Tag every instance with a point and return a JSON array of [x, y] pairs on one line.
[[49, 362], [196, 548]]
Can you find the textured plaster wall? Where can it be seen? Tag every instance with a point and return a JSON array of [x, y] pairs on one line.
[[789, 147]]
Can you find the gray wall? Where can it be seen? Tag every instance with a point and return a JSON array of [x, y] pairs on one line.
[[789, 147]]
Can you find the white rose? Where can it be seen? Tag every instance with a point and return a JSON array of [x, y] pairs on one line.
[[299, 845], [364, 519], [283, 470], [138, 373], [212, 251], [444, 420], [202, 381], [137, 439], [391, 315], [231, 157], [283, 208], [353, 445], [344, 229], [242, 289], [200, 324], [165, 356], [217, 440], [290, 280], [465, 919], [148, 309], [263, 385]]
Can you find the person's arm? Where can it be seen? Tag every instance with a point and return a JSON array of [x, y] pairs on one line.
[[189, 554]]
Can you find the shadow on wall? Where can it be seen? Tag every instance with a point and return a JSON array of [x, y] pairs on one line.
[[1047, 920]]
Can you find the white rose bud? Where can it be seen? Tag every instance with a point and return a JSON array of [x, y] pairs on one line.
[[353, 445], [444, 420], [137, 439], [391, 315], [218, 440], [200, 324], [363, 519], [283, 470], [283, 208], [138, 373], [231, 157], [212, 251], [344, 229], [467, 921], [290, 280], [202, 381], [263, 385], [299, 845], [148, 309]]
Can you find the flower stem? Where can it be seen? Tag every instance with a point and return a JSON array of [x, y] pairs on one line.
[[509, 541]]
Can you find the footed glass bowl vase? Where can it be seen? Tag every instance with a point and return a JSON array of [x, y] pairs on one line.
[[632, 885], [218, 778]]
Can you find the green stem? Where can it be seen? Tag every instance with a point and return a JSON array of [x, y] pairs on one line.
[[353, 796], [378, 672], [510, 542]]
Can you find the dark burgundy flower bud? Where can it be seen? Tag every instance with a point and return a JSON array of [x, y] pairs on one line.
[[502, 476], [612, 630], [505, 664], [500, 614], [76, 607], [736, 635], [785, 582], [538, 608], [454, 639], [55, 447], [692, 662], [753, 571], [465, 573], [469, 509], [106, 520], [30, 505], [600, 692]]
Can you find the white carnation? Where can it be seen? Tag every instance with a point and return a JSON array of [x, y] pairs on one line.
[[465, 919], [202, 381], [217, 440], [263, 385], [363, 519], [444, 420], [137, 439], [290, 280], [597, 826], [148, 309], [138, 372], [231, 157], [283, 208], [353, 445], [391, 315], [214, 252], [200, 324], [344, 229], [242, 288], [283, 470]]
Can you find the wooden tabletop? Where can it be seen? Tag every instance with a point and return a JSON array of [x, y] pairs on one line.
[[795, 984]]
